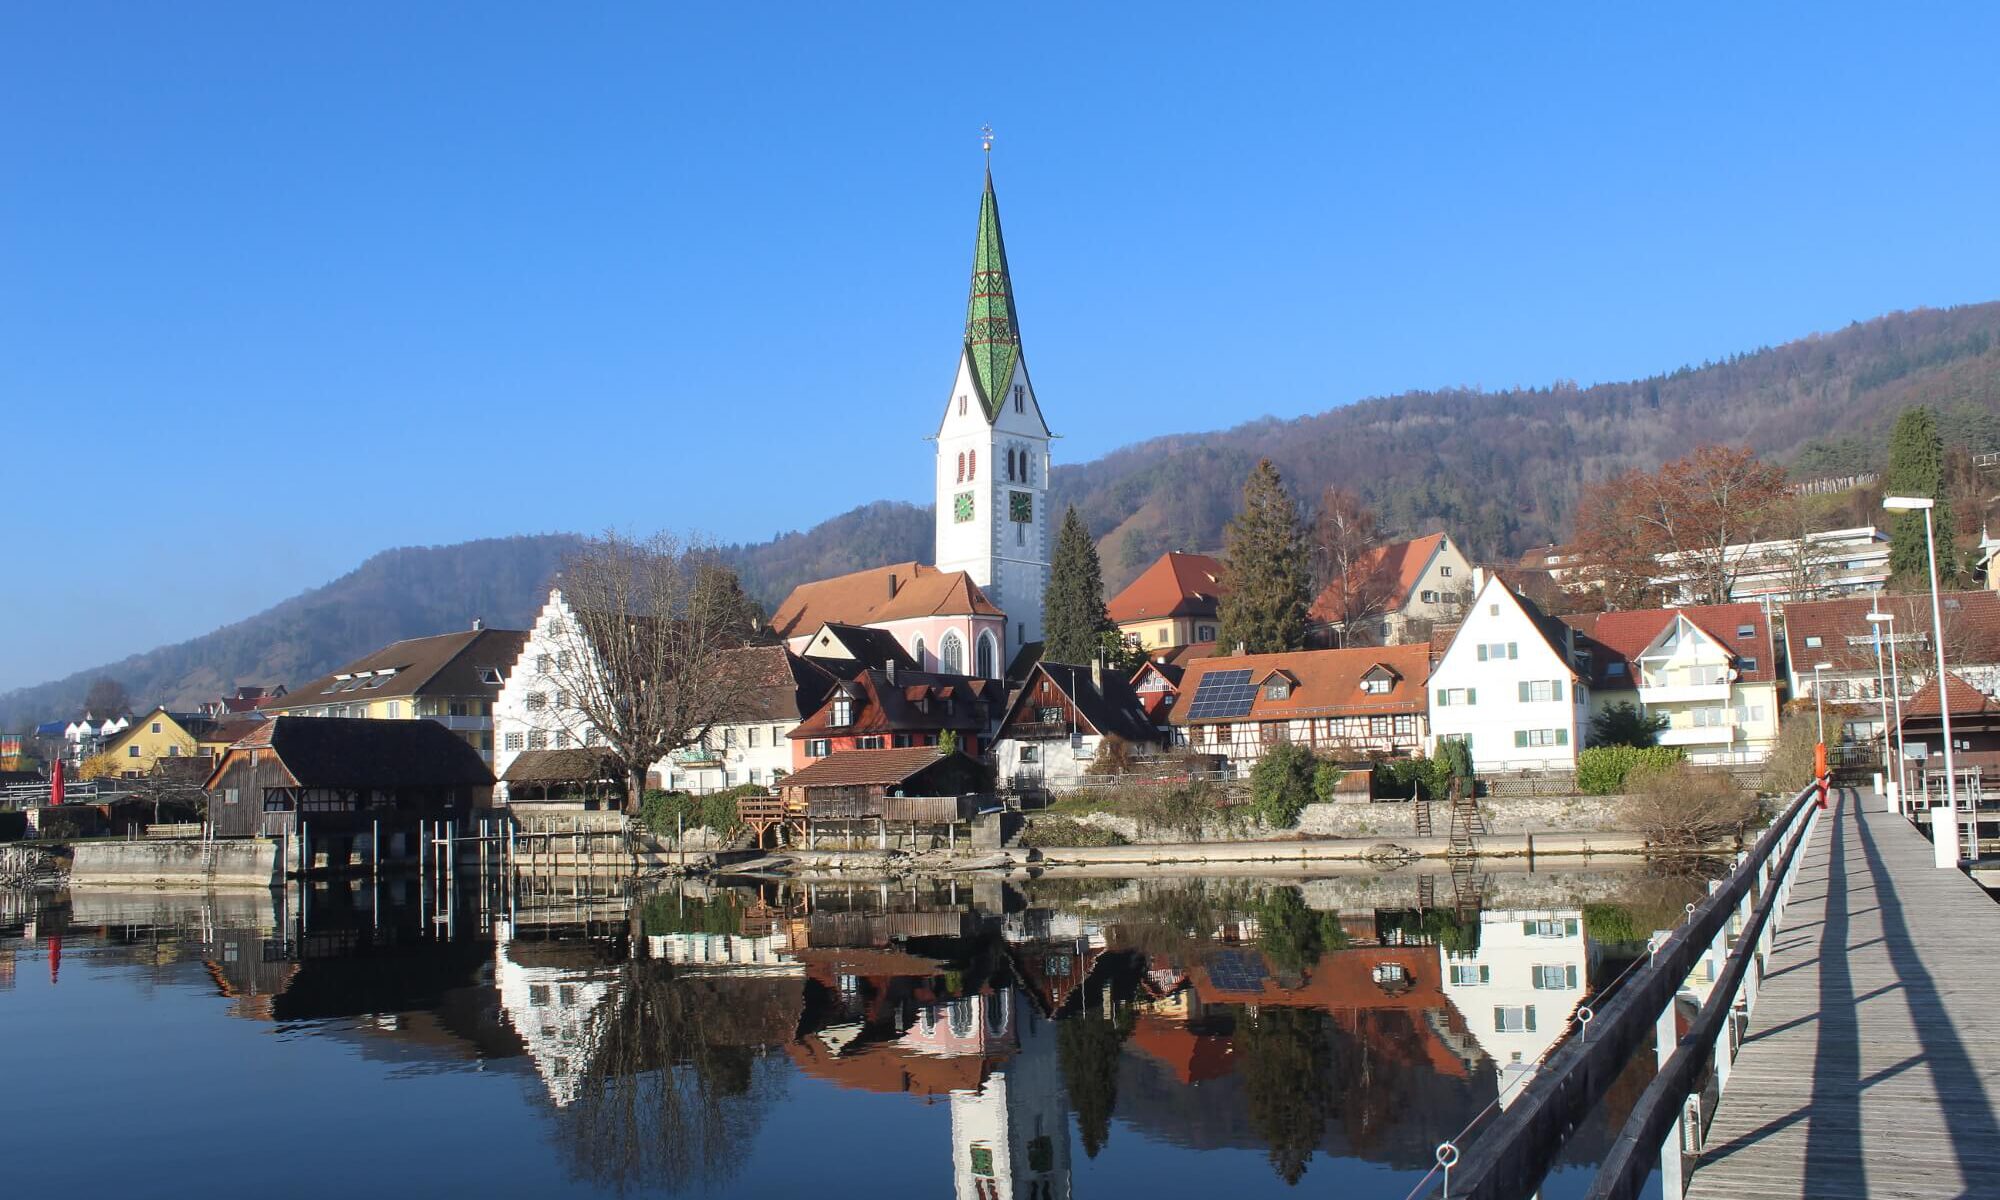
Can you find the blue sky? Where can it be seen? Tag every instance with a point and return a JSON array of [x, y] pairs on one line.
[[320, 280]]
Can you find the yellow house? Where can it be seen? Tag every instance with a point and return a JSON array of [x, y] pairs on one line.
[[451, 678], [1171, 604], [156, 736]]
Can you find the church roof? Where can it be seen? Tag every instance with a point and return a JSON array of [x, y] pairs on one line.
[[992, 331]]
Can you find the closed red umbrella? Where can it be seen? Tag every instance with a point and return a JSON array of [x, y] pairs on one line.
[[56, 783]]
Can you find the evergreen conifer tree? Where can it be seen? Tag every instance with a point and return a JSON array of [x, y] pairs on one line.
[[1264, 563], [1073, 613], [1916, 468]]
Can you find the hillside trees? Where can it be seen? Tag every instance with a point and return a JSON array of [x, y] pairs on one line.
[[1265, 608], [1690, 510], [1916, 468], [107, 698], [1074, 619]]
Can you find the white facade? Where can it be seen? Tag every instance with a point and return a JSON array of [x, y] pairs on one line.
[[1507, 690], [1010, 1139], [1835, 562], [528, 714], [1057, 763], [1518, 990], [990, 475], [558, 1012], [758, 752], [1691, 679]]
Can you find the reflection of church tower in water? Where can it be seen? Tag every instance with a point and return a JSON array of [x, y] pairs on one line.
[[1010, 1139]]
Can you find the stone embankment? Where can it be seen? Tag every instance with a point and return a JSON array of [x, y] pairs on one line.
[[195, 864]]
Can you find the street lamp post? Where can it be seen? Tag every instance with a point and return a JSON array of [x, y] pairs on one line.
[[1896, 690], [1945, 846], [1889, 780]]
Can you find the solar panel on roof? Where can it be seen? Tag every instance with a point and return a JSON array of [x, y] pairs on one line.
[[1222, 694], [1237, 971]]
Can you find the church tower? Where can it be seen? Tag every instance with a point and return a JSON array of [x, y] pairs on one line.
[[993, 449]]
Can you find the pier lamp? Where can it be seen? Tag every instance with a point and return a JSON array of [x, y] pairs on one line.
[[1924, 504], [1892, 754]]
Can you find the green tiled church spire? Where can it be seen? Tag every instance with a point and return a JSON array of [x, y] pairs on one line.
[[992, 332]]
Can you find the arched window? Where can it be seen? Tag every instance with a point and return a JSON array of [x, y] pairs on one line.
[[972, 464], [999, 1012], [961, 466], [951, 654], [987, 653], [917, 652], [960, 1014]]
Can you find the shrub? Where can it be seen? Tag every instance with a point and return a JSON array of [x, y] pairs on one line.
[[1181, 809], [1062, 831], [1428, 778], [1790, 765], [1680, 806], [1624, 724], [1282, 784], [1326, 780], [1603, 770], [662, 811]]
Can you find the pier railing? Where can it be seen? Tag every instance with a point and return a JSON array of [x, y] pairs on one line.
[[1505, 1152]]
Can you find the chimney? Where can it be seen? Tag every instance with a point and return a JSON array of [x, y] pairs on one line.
[[892, 585], [889, 669], [477, 624], [1478, 580], [1242, 648], [1097, 673]]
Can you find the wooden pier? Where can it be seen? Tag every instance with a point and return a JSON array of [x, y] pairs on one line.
[[1872, 1062]]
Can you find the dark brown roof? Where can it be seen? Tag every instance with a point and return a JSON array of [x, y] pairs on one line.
[[575, 765], [777, 685], [1106, 705], [1176, 585], [1623, 636], [352, 752], [1847, 640], [867, 768], [449, 664], [869, 648], [915, 701], [232, 731]]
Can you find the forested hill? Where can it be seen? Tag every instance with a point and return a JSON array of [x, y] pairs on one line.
[[1499, 469]]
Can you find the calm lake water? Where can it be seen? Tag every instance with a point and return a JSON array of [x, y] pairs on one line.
[[1060, 1037]]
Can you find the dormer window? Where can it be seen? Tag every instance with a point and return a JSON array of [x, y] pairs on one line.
[[843, 711], [1378, 686], [1278, 688]]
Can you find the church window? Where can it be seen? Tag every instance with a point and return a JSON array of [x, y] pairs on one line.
[[1021, 506], [1020, 398], [961, 406], [917, 652], [951, 654], [1010, 464], [987, 654], [971, 464], [961, 466], [961, 507]]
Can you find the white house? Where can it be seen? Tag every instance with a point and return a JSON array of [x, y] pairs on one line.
[[1711, 671], [1059, 720], [1518, 989], [1832, 562], [1508, 685]]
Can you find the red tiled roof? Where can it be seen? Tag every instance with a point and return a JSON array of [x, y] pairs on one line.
[[1966, 700], [1847, 640], [1399, 565], [1329, 682], [889, 593], [914, 702], [1176, 585], [1624, 636]]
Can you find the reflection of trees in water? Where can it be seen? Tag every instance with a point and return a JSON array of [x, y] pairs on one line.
[[1286, 1062], [1088, 1048], [672, 1097]]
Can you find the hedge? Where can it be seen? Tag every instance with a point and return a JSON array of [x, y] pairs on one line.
[[1602, 770]]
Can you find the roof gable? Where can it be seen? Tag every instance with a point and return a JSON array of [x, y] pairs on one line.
[[1177, 584]]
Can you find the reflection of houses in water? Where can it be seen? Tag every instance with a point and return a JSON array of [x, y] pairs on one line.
[[1518, 988], [1010, 1138], [556, 995], [727, 953]]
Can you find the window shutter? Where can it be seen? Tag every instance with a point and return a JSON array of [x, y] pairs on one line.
[[1499, 1017], [1569, 928], [1569, 975], [1528, 929], [1444, 698], [1513, 649], [1482, 652], [1485, 974], [1562, 737], [1520, 739], [1472, 695], [1556, 689], [1530, 1013], [1526, 692]]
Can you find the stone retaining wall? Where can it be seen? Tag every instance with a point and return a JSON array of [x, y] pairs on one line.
[[235, 863]]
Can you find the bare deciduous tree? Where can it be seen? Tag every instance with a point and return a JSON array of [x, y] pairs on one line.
[[1347, 578], [641, 660]]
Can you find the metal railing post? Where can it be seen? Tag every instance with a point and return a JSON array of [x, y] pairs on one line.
[[1666, 1036]]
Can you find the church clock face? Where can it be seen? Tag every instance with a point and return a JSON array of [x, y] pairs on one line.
[[961, 507], [1021, 506]]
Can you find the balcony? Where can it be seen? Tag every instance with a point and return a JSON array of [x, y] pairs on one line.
[[1698, 735], [1671, 690]]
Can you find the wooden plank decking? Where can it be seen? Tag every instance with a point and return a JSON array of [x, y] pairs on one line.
[[1872, 1064]]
